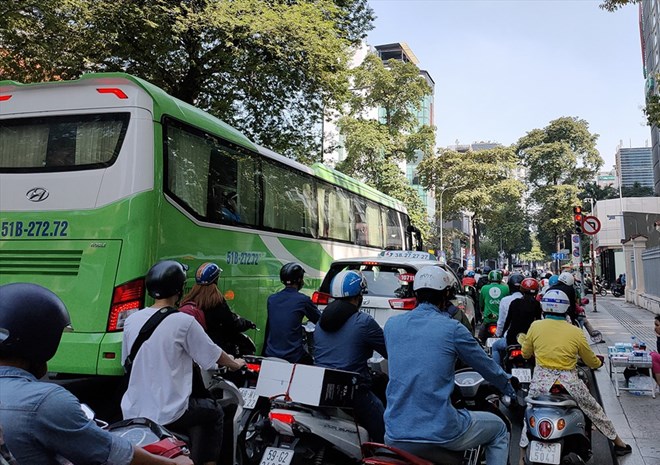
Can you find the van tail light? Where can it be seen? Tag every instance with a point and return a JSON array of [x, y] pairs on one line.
[[321, 298], [126, 299], [286, 418], [4, 98], [403, 304], [545, 429]]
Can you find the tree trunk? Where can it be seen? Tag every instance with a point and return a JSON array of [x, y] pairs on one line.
[[475, 232]]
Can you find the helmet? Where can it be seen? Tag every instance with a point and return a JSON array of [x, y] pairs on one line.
[[470, 274], [292, 273], [487, 269], [495, 276], [348, 283], [514, 282], [529, 286], [432, 277], [207, 273], [555, 301], [554, 279], [32, 319], [567, 278], [165, 279], [535, 274]]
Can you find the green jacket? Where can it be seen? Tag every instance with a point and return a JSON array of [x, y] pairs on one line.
[[489, 300]]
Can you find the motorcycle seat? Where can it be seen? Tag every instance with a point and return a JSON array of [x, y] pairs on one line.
[[552, 400]]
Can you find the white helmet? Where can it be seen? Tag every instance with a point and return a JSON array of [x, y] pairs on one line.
[[555, 301], [432, 277], [566, 278]]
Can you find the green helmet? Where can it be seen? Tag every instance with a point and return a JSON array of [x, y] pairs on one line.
[[495, 276]]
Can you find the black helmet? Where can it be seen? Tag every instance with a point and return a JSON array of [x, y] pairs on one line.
[[514, 282], [32, 319], [166, 279], [292, 273]]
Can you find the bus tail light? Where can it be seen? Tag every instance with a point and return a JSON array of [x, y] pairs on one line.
[[112, 90], [321, 298], [126, 299], [403, 304]]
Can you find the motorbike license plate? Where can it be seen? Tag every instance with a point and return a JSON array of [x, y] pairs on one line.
[[277, 456], [490, 341], [250, 397], [524, 375], [541, 452]]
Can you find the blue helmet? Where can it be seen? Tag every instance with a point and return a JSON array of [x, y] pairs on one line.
[[554, 279], [207, 273], [471, 274], [348, 283]]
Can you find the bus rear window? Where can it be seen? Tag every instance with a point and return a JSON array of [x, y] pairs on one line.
[[61, 143]]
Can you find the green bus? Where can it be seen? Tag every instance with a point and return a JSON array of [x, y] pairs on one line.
[[103, 176]]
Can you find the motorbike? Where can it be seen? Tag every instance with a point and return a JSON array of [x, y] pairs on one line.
[[618, 289], [599, 289], [558, 431], [471, 392], [140, 432], [245, 412], [521, 368], [151, 436]]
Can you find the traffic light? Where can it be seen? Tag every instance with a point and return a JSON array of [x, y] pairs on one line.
[[578, 218]]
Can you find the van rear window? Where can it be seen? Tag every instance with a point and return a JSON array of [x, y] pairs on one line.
[[61, 143]]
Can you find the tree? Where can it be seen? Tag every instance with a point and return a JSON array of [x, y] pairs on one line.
[[267, 67], [376, 147], [613, 5], [482, 181], [593, 191], [637, 190], [560, 160], [535, 254]]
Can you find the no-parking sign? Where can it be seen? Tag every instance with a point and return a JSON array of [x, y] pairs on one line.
[[590, 225]]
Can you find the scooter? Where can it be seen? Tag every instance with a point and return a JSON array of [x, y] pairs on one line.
[[618, 289], [245, 412], [151, 436], [521, 368], [557, 429], [472, 392]]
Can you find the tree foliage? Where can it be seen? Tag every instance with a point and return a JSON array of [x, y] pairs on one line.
[[637, 190], [560, 160], [613, 5], [480, 181], [268, 67], [376, 147]]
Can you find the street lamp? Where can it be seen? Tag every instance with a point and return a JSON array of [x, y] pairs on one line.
[[442, 191]]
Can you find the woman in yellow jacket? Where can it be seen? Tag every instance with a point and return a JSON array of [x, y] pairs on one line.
[[556, 344]]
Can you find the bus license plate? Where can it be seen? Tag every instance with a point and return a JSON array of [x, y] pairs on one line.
[[541, 452], [524, 375], [277, 456], [250, 397]]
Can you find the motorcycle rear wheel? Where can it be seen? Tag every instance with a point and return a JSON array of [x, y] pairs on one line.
[[603, 292]]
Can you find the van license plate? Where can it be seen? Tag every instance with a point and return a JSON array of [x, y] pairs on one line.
[[542, 452], [524, 375], [250, 397], [277, 456]]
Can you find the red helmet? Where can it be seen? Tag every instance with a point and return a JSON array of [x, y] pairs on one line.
[[529, 286]]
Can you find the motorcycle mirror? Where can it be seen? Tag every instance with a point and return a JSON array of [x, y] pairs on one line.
[[87, 411]]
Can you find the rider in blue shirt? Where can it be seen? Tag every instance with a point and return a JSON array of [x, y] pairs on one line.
[[43, 422], [423, 346], [286, 310], [345, 339]]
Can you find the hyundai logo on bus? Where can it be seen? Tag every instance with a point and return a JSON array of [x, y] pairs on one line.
[[37, 194]]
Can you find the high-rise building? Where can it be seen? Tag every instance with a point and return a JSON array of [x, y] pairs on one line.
[[635, 165], [649, 26]]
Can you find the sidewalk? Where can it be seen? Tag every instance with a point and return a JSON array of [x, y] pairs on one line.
[[636, 418]]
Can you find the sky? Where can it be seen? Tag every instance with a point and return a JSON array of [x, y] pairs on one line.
[[502, 68]]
